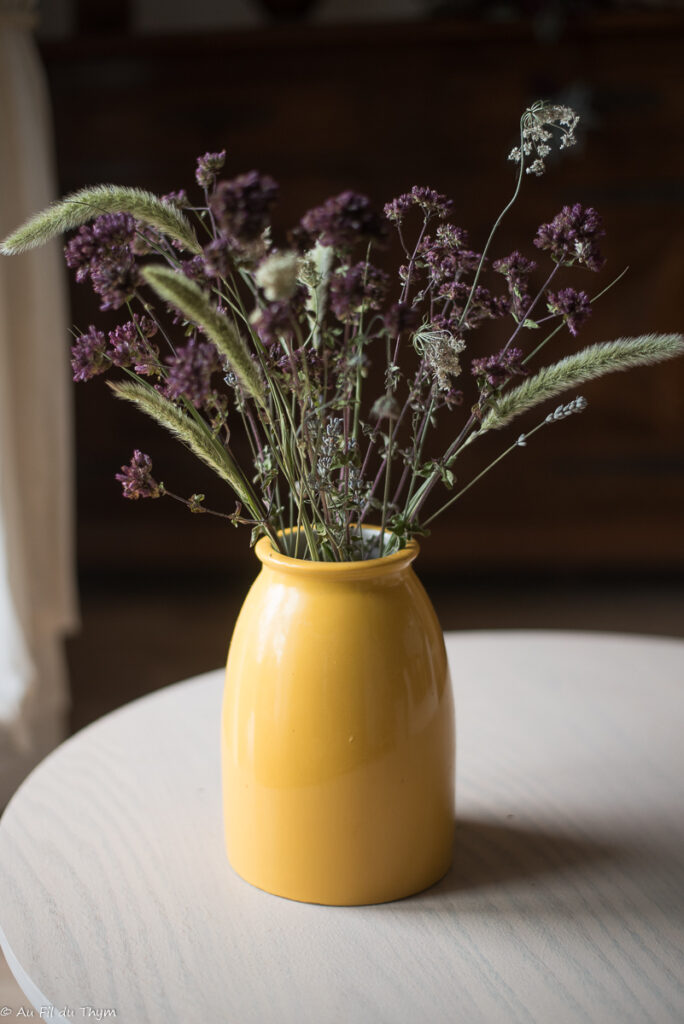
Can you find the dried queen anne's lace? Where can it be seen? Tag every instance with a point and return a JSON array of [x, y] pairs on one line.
[[441, 351], [537, 136], [357, 289]]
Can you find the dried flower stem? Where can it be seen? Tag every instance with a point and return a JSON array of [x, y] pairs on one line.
[[492, 233], [561, 413], [555, 331], [533, 303], [200, 442]]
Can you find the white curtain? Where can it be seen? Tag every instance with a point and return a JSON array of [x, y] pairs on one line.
[[37, 579]]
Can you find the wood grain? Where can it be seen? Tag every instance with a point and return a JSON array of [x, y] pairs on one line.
[[565, 902]]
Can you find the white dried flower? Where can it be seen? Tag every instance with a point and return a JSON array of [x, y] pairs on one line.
[[277, 275], [441, 350], [316, 264], [537, 136]]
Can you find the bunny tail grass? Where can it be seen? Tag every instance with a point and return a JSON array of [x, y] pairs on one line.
[[191, 301], [591, 362], [189, 432], [80, 207]]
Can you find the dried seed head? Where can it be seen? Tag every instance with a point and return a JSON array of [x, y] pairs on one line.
[[441, 351], [537, 133]]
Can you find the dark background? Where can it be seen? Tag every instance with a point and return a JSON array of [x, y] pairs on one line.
[[581, 528]]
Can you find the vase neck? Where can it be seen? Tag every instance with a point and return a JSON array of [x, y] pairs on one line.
[[372, 568]]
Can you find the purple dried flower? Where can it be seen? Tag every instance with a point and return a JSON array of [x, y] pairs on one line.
[[79, 251], [179, 198], [483, 305], [571, 237], [277, 319], [273, 322], [129, 345], [218, 260], [103, 251], [137, 480], [433, 204], [208, 167], [295, 361], [242, 206], [516, 268], [359, 288], [115, 281], [190, 372], [573, 306], [496, 370], [445, 254], [450, 398], [89, 356], [196, 269], [344, 220], [395, 210], [440, 322], [464, 261], [108, 235], [401, 317], [450, 238]]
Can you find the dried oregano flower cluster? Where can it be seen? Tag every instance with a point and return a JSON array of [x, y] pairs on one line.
[[222, 327]]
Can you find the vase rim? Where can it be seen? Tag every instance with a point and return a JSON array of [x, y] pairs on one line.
[[367, 567]]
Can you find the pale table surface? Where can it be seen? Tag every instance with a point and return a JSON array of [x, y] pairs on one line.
[[565, 904]]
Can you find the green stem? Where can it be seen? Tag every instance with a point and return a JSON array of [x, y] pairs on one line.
[[479, 476], [417, 451], [501, 216], [555, 331]]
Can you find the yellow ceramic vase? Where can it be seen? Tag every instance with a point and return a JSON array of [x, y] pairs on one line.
[[338, 732]]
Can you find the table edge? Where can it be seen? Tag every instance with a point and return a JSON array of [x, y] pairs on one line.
[[33, 994]]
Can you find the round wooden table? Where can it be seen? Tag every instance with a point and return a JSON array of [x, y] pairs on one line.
[[565, 902]]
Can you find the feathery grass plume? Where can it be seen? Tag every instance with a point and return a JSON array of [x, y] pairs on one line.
[[591, 362], [80, 207], [188, 431], [191, 301]]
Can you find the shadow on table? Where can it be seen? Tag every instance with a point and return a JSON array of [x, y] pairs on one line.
[[488, 854]]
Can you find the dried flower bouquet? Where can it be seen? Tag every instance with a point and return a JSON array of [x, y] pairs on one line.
[[281, 339]]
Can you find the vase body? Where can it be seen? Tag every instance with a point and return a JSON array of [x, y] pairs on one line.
[[338, 732]]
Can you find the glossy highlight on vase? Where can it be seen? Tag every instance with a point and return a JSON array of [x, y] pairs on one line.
[[338, 732]]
